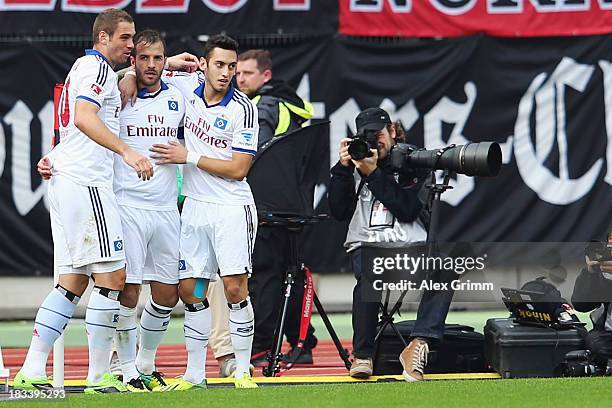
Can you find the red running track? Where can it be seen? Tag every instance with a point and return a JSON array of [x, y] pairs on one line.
[[172, 359]]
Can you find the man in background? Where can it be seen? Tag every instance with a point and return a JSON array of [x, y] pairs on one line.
[[281, 111]]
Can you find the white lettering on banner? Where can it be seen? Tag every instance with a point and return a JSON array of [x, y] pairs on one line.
[[2, 150], [606, 67], [225, 6], [447, 111], [19, 119], [292, 5], [545, 6], [341, 120], [530, 161], [149, 6], [459, 7], [93, 6], [605, 4], [453, 7], [161, 6], [368, 6], [12, 5]]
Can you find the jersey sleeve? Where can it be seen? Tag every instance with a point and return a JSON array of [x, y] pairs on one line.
[[96, 81], [183, 81], [246, 127]]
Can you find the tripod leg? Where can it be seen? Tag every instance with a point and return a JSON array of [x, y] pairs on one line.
[[274, 358], [344, 355]]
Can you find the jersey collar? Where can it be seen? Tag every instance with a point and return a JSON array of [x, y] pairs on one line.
[[99, 54], [228, 96], [143, 94]]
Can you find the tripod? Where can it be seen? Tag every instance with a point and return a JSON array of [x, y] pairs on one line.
[[295, 225], [433, 206]]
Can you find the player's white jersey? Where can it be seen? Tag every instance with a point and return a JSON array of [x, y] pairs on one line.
[[154, 118], [77, 156], [216, 131]]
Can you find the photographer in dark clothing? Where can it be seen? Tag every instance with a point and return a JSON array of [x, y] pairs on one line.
[[385, 212], [593, 293]]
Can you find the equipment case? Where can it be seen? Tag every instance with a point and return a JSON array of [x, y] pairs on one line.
[[460, 350], [516, 350]]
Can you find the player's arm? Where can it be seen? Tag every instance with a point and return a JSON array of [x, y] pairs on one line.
[[88, 122], [175, 153], [127, 77]]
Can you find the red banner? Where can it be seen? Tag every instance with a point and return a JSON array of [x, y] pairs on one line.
[[451, 18]]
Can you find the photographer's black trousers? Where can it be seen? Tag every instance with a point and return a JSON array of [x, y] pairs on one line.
[[271, 259], [429, 324], [600, 344]]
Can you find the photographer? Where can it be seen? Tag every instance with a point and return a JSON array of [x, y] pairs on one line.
[[593, 293], [385, 212]]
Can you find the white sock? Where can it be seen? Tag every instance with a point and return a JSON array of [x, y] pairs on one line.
[[198, 321], [51, 320], [101, 321], [153, 325], [242, 323], [125, 341]]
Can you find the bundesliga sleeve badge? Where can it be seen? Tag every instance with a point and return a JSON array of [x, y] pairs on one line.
[[96, 89]]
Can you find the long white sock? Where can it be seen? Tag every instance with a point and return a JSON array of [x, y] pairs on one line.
[[153, 325], [197, 331], [101, 321], [51, 320], [126, 342], [242, 323]]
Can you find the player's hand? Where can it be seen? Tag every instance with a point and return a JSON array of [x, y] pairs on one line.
[[345, 157], [172, 153], [44, 168], [183, 62], [140, 163], [128, 90], [367, 165]]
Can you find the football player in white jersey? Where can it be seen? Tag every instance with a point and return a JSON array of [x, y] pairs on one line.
[[87, 234], [149, 214], [219, 219]]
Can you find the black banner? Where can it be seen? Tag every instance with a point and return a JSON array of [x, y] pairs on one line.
[[176, 18], [548, 102]]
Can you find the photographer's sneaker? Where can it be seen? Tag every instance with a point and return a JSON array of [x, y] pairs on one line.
[[414, 359], [361, 368]]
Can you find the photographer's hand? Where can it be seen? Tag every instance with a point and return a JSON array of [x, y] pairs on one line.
[[345, 157], [606, 266], [591, 265], [368, 165]]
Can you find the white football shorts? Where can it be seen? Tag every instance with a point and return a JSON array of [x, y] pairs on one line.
[[152, 244], [86, 227], [216, 237]]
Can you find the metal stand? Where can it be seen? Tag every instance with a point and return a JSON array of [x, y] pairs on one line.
[[433, 206], [295, 224]]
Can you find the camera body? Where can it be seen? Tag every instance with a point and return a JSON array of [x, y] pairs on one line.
[[360, 145], [599, 251]]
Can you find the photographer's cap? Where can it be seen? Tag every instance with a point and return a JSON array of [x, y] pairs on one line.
[[372, 119]]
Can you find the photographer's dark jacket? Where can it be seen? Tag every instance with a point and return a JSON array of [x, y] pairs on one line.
[[593, 291], [386, 213], [280, 110]]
